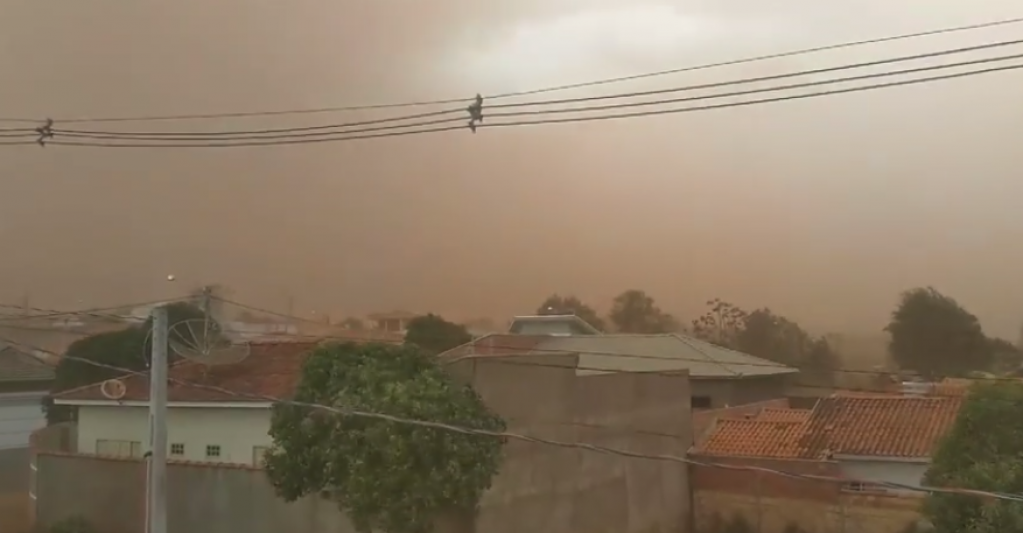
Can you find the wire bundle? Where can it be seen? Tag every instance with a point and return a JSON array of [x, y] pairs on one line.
[[612, 106]]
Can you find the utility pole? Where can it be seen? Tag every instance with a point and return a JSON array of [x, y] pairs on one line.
[[157, 490]]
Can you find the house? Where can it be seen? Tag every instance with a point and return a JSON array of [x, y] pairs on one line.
[[202, 424], [24, 381], [719, 377], [551, 325], [391, 322], [874, 439]]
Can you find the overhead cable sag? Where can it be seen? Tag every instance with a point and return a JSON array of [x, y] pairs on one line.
[[439, 121]]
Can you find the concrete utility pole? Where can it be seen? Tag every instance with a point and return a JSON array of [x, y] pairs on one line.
[[157, 490]]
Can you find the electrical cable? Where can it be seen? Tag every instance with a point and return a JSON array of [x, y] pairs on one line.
[[604, 81], [287, 141], [505, 435], [257, 134]]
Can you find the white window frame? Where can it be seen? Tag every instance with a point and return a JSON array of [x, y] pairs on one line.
[[118, 448], [176, 446], [214, 451]]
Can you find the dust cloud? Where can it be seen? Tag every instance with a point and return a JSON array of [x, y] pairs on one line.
[[822, 209]]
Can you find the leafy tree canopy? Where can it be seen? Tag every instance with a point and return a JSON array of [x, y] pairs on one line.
[[385, 476], [634, 311], [570, 305], [765, 334], [935, 336], [983, 451], [434, 334]]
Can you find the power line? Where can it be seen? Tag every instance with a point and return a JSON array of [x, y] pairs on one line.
[[505, 435], [271, 141], [604, 81], [320, 130]]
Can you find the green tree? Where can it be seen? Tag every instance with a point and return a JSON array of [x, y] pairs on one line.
[[935, 336], [385, 476], [127, 349], [983, 451], [1006, 357], [634, 311], [721, 324], [434, 334], [570, 305]]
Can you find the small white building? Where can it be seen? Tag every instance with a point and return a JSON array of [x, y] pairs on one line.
[[203, 424]]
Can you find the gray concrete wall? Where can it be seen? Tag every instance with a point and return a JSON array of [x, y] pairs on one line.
[[110, 494], [541, 488], [561, 489]]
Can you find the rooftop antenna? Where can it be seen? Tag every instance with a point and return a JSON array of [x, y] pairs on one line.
[[202, 339]]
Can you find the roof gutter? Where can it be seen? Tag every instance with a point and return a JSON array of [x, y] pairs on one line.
[[882, 458], [145, 403]]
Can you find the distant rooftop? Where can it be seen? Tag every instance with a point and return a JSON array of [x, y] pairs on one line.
[[551, 325]]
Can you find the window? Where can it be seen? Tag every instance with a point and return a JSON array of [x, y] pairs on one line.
[[212, 451], [859, 486], [258, 455], [700, 402], [118, 448], [178, 449]]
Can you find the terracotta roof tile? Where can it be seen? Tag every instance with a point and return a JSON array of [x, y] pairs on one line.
[[754, 438], [880, 426], [889, 426], [270, 370], [774, 414]]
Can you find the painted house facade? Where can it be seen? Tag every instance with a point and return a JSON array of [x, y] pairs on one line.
[[203, 424]]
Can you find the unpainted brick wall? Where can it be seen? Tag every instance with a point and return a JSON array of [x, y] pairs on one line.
[[770, 503]]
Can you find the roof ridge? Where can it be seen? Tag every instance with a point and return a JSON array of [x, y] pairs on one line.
[[686, 340]]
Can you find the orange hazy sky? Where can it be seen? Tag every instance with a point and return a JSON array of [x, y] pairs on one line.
[[822, 209]]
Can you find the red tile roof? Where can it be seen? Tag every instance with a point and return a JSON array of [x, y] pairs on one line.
[[754, 438], [774, 414], [270, 370], [881, 426]]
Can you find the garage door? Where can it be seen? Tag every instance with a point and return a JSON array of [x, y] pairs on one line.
[[19, 417]]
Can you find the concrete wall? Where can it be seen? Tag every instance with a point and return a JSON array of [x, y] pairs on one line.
[[235, 430], [544, 488], [740, 391], [901, 472], [771, 503], [201, 498], [541, 488]]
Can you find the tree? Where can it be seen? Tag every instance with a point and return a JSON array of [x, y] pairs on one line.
[[126, 350], [983, 451], [385, 476], [571, 305], [434, 334], [633, 311], [1006, 357], [935, 336], [721, 324]]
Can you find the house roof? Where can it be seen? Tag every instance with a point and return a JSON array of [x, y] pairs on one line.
[[16, 365], [600, 354], [879, 426], [521, 323], [883, 426], [754, 438], [272, 370]]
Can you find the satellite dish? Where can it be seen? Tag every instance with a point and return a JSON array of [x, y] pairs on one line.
[[202, 340], [113, 389]]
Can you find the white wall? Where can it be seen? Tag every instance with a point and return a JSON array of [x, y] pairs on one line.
[[20, 415], [902, 472], [236, 430]]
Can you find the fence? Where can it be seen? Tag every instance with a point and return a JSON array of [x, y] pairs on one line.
[[762, 502]]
